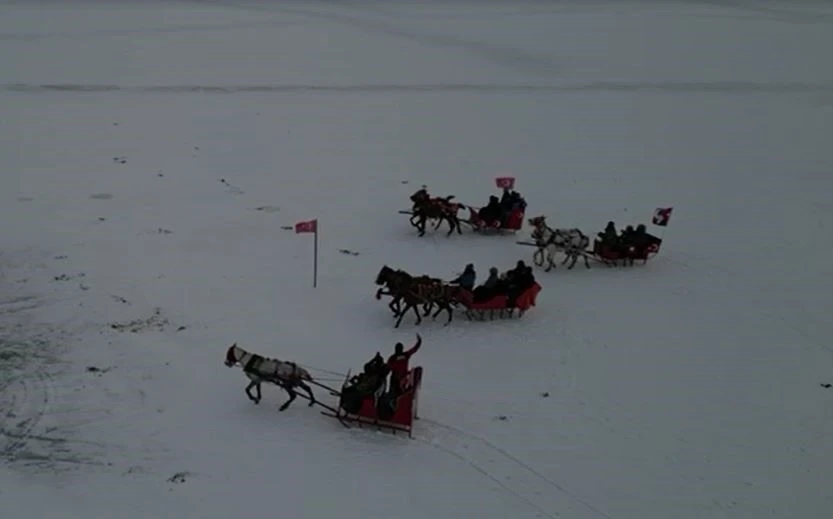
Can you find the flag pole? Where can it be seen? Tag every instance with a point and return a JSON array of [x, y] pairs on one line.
[[315, 258]]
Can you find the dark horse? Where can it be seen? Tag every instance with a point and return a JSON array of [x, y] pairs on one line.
[[415, 291], [286, 375], [426, 208]]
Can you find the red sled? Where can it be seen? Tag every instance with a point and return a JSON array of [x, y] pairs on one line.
[[392, 410], [613, 256], [514, 221], [498, 306]]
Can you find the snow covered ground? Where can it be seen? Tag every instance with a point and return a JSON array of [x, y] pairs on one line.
[[152, 152]]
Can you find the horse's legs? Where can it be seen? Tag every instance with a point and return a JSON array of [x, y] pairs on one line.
[[253, 384], [394, 306], [574, 257], [439, 309], [427, 307], [308, 389], [416, 313], [292, 397], [450, 313], [550, 257], [402, 314]]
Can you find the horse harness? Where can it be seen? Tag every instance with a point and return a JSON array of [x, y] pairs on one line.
[[257, 360]]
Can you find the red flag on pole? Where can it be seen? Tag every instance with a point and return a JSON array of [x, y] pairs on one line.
[[662, 215], [308, 226], [311, 226]]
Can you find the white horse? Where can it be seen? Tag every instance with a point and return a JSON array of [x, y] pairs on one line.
[[572, 242], [286, 375]]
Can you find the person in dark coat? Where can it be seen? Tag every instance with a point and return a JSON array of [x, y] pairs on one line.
[[626, 239], [609, 235], [491, 212], [376, 371], [467, 279], [512, 274], [487, 290]]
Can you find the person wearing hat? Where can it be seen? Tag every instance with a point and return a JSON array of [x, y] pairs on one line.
[[489, 287], [466, 279], [376, 371], [398, 363]]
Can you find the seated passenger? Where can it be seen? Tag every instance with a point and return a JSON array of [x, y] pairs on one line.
[[511, 274], [488, 289], [374, 365], [639, 238], [491, 212], [609, 235], [626, 239]]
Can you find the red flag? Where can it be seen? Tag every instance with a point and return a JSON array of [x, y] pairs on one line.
[[505, 182], [308, 226], [662, 215]]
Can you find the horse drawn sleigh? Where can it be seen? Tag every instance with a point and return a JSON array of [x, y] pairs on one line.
[[363, 399], [426, 293], [498, 217], [610, 248]]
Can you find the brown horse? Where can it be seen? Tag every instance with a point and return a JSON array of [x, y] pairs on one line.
[[413, 291], [441, 209]]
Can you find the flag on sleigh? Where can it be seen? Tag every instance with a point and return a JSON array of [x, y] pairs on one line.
[[662, 215]]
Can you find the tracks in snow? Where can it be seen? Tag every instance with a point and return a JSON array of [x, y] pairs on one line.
[[511, 474], [25, 399]]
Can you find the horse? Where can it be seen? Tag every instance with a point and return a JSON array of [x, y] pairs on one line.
[[286, 375], [441, 209], [435, 292], [572, 242], [399, 284]]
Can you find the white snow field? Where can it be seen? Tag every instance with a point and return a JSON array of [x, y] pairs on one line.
[[691, 387]]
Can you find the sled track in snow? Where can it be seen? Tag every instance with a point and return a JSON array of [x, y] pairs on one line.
[[525, 476], [25, 398]]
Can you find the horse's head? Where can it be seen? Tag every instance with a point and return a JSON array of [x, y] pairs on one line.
[[384, 275], [231, 355], [420, 196]]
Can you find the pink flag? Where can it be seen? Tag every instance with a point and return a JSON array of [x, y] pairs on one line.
[[662, 215], [505, 182], [308, 226]]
